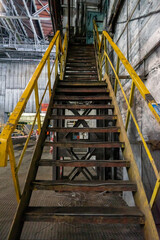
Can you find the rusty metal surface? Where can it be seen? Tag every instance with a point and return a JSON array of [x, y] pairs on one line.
[[80, 117], [75, 231], [85, 163], [100, 130], [80, 144], [65, 231], [82, 106], [85, 186]]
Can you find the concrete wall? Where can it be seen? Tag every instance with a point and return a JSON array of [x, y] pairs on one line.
[[140, 36], [14, 77]]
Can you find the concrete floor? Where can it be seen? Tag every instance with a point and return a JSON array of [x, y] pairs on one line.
[[58, 231]]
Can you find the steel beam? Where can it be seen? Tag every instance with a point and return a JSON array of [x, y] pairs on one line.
[[15, 10], [40, 10], [43, 6], [40, 26], [24, 17], [10, 24], [31, 22]]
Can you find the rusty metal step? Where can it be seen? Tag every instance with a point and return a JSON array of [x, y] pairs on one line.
[[96, 186], [76, 68], [76, 57], [98, 215], [80, 64], [90, 61], [81, 79], [82, 98], [82, 84], [82, 71], [89, 130], [82, 144], [83, 106], [77, 73], [82, 55], [82, 90], [82, 117], [84, 163]]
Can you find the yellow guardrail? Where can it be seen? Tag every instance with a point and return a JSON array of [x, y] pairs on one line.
[[103, 59], [6, 145]]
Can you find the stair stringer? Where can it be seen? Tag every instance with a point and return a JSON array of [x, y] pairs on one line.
[[141, 201]]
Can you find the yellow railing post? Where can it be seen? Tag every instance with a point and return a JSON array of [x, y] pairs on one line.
[[155, 192], [37, 107], [106, 61], [57, 53], [49, 76], [61, 67], [117, 71], [130, 103], [13, 169]]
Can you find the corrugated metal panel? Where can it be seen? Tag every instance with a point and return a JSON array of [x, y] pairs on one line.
[[17, 76]]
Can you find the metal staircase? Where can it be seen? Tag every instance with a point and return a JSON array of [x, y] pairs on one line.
[[82, 98], [90, 147]]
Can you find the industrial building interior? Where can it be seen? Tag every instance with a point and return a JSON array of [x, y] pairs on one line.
[[79, 119]]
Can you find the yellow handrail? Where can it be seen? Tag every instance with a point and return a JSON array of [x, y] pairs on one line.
[[6, 145], [101, 54]]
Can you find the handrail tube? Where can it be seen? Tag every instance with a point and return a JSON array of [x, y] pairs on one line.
[[138, 82], [135, 122]]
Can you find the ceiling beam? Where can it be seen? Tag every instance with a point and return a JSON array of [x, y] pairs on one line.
[[9, 23], [39, 22], [24, 17], [19, 20], [31, 22], [40, 10], [43, 6]]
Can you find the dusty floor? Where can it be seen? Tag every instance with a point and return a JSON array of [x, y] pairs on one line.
[[58, 231]]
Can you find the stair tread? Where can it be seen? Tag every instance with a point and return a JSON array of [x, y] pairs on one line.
[[97, 215], [83, 90], [80, 65], [75, 72], [83, 83], [78, 68], [81, 78], [97, 186], [90, 61], [84, 129], [79, 59], [82, 117], [84, 211], [84, 163], [81, 144], [84, 183], [82, 98], [83, 106]]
